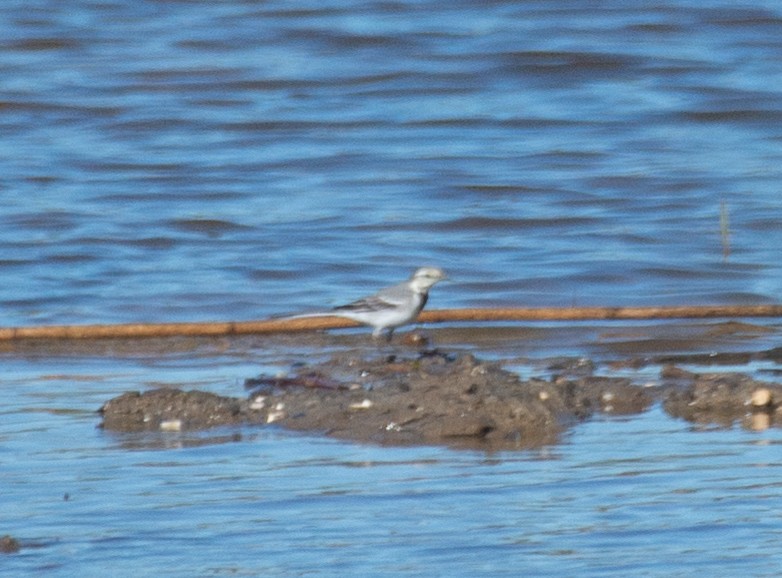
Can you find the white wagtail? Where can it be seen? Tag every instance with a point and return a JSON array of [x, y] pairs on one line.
[[391, 307]]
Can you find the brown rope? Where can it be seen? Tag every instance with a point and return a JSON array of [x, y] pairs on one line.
[[141, 330], [598, 313]]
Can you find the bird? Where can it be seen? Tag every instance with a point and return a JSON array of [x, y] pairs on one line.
[[389, 308]]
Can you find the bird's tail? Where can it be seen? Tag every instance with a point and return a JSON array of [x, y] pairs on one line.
[[327, 313]]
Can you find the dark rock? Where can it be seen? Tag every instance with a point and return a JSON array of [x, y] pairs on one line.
[[9, 545]]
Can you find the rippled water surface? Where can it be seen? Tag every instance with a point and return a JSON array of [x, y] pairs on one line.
[[188, 161]]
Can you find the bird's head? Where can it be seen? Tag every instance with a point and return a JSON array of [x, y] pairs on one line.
[[425, 277]]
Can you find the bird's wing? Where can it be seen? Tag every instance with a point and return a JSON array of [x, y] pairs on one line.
[[373, 303], [389, 298]]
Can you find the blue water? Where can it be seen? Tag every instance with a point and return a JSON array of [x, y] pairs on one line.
[[185, 161]]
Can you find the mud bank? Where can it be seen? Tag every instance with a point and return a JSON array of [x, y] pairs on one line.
[[437, 398], [169, 409], [431, 398]]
